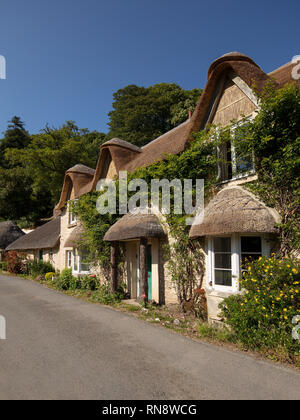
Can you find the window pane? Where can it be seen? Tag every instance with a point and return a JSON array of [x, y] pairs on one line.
[[75, 257], [244, 164], [222, 244], [225, 164], [251, 244], [84, 265], [223, 278], [223, 261]]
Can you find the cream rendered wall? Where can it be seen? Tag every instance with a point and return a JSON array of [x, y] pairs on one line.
[[65, 230], [55, 257]]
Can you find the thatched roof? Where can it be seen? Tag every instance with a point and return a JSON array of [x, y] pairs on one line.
[[126, 156], [9, 232], [80, 178], [134, 226], [235, 210], [283, 75], [176, 140], [75, 237], [44, 237]]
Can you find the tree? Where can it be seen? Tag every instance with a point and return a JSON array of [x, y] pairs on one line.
[[15, 137], [51, 153], [141, 114], [15, 184]]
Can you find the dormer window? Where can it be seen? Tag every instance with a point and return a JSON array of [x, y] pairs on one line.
[[72, 215], [235, 160]]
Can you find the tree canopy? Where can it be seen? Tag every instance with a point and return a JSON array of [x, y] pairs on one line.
[[33, 167], [141, 114]]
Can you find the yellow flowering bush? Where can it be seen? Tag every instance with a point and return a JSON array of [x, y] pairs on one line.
[[261, 316]]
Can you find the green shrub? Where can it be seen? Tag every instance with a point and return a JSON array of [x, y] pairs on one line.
[[3, 266], [49, 276], [66, 281], [103, 295], [89, 282], [37, 268], [261, 317]]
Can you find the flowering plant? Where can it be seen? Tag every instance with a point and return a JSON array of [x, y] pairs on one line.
[[262, 315]]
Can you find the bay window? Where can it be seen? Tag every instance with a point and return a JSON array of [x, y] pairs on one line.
[[78, 261], [228, 256]]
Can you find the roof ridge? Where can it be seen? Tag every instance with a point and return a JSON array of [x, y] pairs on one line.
[[280, 68], [167, 132]]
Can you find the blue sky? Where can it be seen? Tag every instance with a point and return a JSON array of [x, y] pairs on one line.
[[66, 58]]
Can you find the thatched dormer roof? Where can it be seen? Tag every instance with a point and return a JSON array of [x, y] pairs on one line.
[[80, 178], [235, 210], [135, 226], [75, 237]]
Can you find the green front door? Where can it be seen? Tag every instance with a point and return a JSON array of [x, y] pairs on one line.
[[149, 264]]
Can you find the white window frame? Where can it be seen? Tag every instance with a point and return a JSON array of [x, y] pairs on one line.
[[75, 258], [69, 258], [235, 260], [235, 175], [72, 216]]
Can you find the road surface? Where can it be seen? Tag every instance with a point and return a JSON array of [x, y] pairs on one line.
[[59, 347]]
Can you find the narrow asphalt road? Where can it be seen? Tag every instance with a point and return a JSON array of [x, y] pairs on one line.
[[58, 347]]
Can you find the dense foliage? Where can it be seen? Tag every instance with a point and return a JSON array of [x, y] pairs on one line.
[[274, 139], [89, 283], [32, 167], [14, 262], [17, 263], [50, 153], [262, 316], [36, 268], [141, 114]]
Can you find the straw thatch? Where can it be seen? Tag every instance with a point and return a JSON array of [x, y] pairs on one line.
[[44, 237], [75, 237], [80, 179], [134, 226], [176, 140], [283, 75], [126, 156], [9, 232], [235, 210]]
